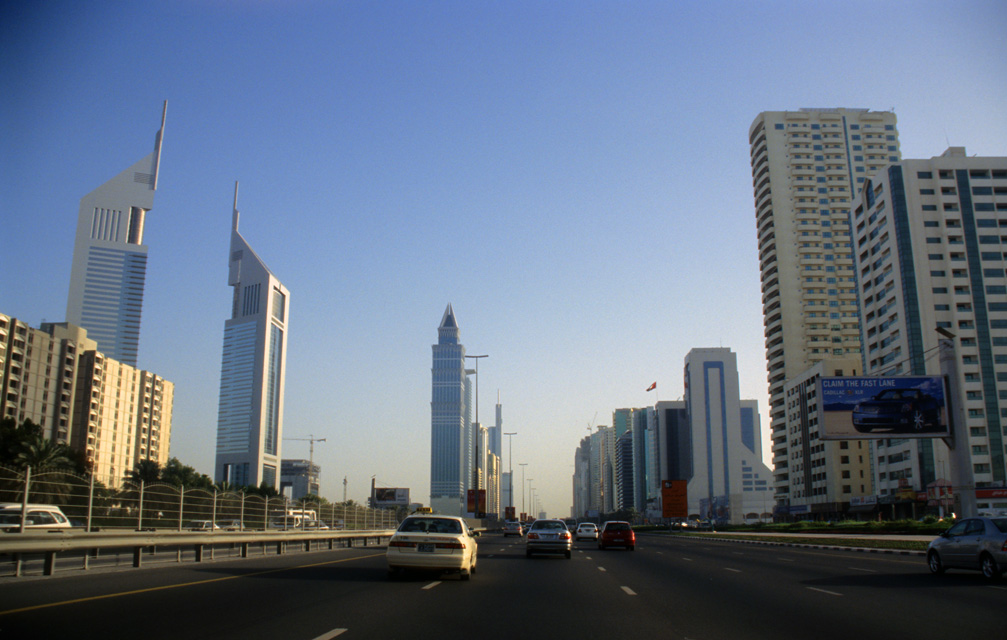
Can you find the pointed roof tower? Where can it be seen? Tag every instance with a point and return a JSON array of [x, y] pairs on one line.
[[448, 331]]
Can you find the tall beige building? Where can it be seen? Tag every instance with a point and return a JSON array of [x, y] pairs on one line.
[[116, 414], [807, 167]]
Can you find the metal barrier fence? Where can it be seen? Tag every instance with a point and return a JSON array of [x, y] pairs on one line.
[[142, 506]]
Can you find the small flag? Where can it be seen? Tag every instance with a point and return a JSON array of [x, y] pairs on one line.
[[652, 387]]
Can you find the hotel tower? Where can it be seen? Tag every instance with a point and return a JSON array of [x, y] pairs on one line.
[[252, 370]]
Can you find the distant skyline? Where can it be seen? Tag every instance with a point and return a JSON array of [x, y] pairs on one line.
[[573, 177]]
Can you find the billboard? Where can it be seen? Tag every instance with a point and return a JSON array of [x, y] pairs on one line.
[[390, 497], [477, 508], [887, 407], [674, 499]]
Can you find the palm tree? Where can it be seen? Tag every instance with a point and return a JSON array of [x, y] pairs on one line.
[[146, 471]]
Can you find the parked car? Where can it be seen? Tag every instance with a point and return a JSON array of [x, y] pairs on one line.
[[513, 528], [586, 531], [617, 533], [432, 543], [974, 543], [231, 525], [898, 411], [548, 536], [38, 517], [203, 525]]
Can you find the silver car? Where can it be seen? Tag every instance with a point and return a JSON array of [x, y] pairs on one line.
[[548, 536], [973, 543]]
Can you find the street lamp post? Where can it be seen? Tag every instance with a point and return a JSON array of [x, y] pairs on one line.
[[475, 439], [510, 469], [522, 465]]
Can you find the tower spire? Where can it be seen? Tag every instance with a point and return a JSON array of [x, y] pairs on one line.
[[234, 214], [157, 146]]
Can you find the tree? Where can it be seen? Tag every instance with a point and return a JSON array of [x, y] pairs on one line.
[[146, 471], [180, 475]]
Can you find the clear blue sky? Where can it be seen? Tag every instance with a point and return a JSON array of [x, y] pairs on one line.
[[573, 177]]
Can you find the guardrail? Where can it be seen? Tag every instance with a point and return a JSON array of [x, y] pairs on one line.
[[50, 544]]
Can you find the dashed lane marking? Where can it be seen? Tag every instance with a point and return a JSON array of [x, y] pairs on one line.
[[432, 584], [831, 593], [602, 569], [331, 634], [629, 591], [864, 570], [733, 570]]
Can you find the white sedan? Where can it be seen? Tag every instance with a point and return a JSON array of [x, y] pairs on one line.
[[586, 531], [432, 543]]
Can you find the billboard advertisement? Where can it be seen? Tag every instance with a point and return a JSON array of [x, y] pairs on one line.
[[390, 497], [888, 407], [478, 508], [674, 499]]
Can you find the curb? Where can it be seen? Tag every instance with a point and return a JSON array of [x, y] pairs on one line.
[[900, 552]]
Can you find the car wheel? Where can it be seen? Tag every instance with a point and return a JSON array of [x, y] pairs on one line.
[[527, 554], [567, 554], [989, 567], [632, 547], [935, 564], [601, 546], [465, 575]]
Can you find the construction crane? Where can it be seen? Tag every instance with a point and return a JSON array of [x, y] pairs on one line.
[[311, 455]]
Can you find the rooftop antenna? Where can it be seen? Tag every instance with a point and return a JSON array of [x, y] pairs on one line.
[[234, 215]]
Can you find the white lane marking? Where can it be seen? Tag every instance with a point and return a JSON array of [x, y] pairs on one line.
[[785, 559], [730, 569], [629, 591], [859, 569], [1001, 588], [738, 553], [660, 553], [602, 569], [331, 634], [589, 557], [831, 593], [432, 584], [687, 559]]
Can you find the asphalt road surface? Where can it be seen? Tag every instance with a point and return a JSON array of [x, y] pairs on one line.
[[674, 588]]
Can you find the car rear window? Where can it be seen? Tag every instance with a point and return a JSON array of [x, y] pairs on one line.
[[430, 525], [617, 526], [1000, 523], [548, 525]]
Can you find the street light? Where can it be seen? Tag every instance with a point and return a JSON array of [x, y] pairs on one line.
[[522, 465], [475, 439], [510, 469]]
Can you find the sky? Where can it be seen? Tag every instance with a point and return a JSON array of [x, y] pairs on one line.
[[572, 177]]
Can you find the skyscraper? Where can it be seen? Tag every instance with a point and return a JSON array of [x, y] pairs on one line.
[[728, 479], [930, 254], [807, 167], [252, 371], [110, 260], [450, 440]]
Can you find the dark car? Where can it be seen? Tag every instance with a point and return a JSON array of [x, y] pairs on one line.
[[898, 411], [617, 533], [974, 543]]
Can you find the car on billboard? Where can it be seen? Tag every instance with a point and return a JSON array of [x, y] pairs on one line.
[[432, 543], [973, 543], [898, 410]]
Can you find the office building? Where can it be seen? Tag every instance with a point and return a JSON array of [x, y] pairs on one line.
[[110, 260], [930, 255], [114, 414], [727, 479], [299, 478], [807, 168], [253, 370], [451, 442]]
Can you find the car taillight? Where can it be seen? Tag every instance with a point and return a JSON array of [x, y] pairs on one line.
[[400, 543], [1004, 547], [565, 535], [450, 545], [533, 536]]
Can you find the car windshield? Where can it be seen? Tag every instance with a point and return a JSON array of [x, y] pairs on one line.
[[430, 525]]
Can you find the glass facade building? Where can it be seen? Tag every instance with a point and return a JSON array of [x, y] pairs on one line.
[[450, 438]]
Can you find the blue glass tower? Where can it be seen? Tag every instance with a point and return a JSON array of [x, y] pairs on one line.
[[449, 426]]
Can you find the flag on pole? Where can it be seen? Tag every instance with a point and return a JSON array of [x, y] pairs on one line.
[[652, 387]]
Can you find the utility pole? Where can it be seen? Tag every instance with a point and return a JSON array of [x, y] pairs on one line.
[[475, 439]]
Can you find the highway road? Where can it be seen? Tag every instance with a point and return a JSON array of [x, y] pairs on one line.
[[670, 587]]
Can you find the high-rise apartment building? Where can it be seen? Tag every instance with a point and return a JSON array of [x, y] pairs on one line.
[[116, 415], [807, 168], [253, 370], [930, 254], [110, 260], [450, 439]]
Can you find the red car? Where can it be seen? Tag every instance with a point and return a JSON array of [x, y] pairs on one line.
[[617, 534]]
